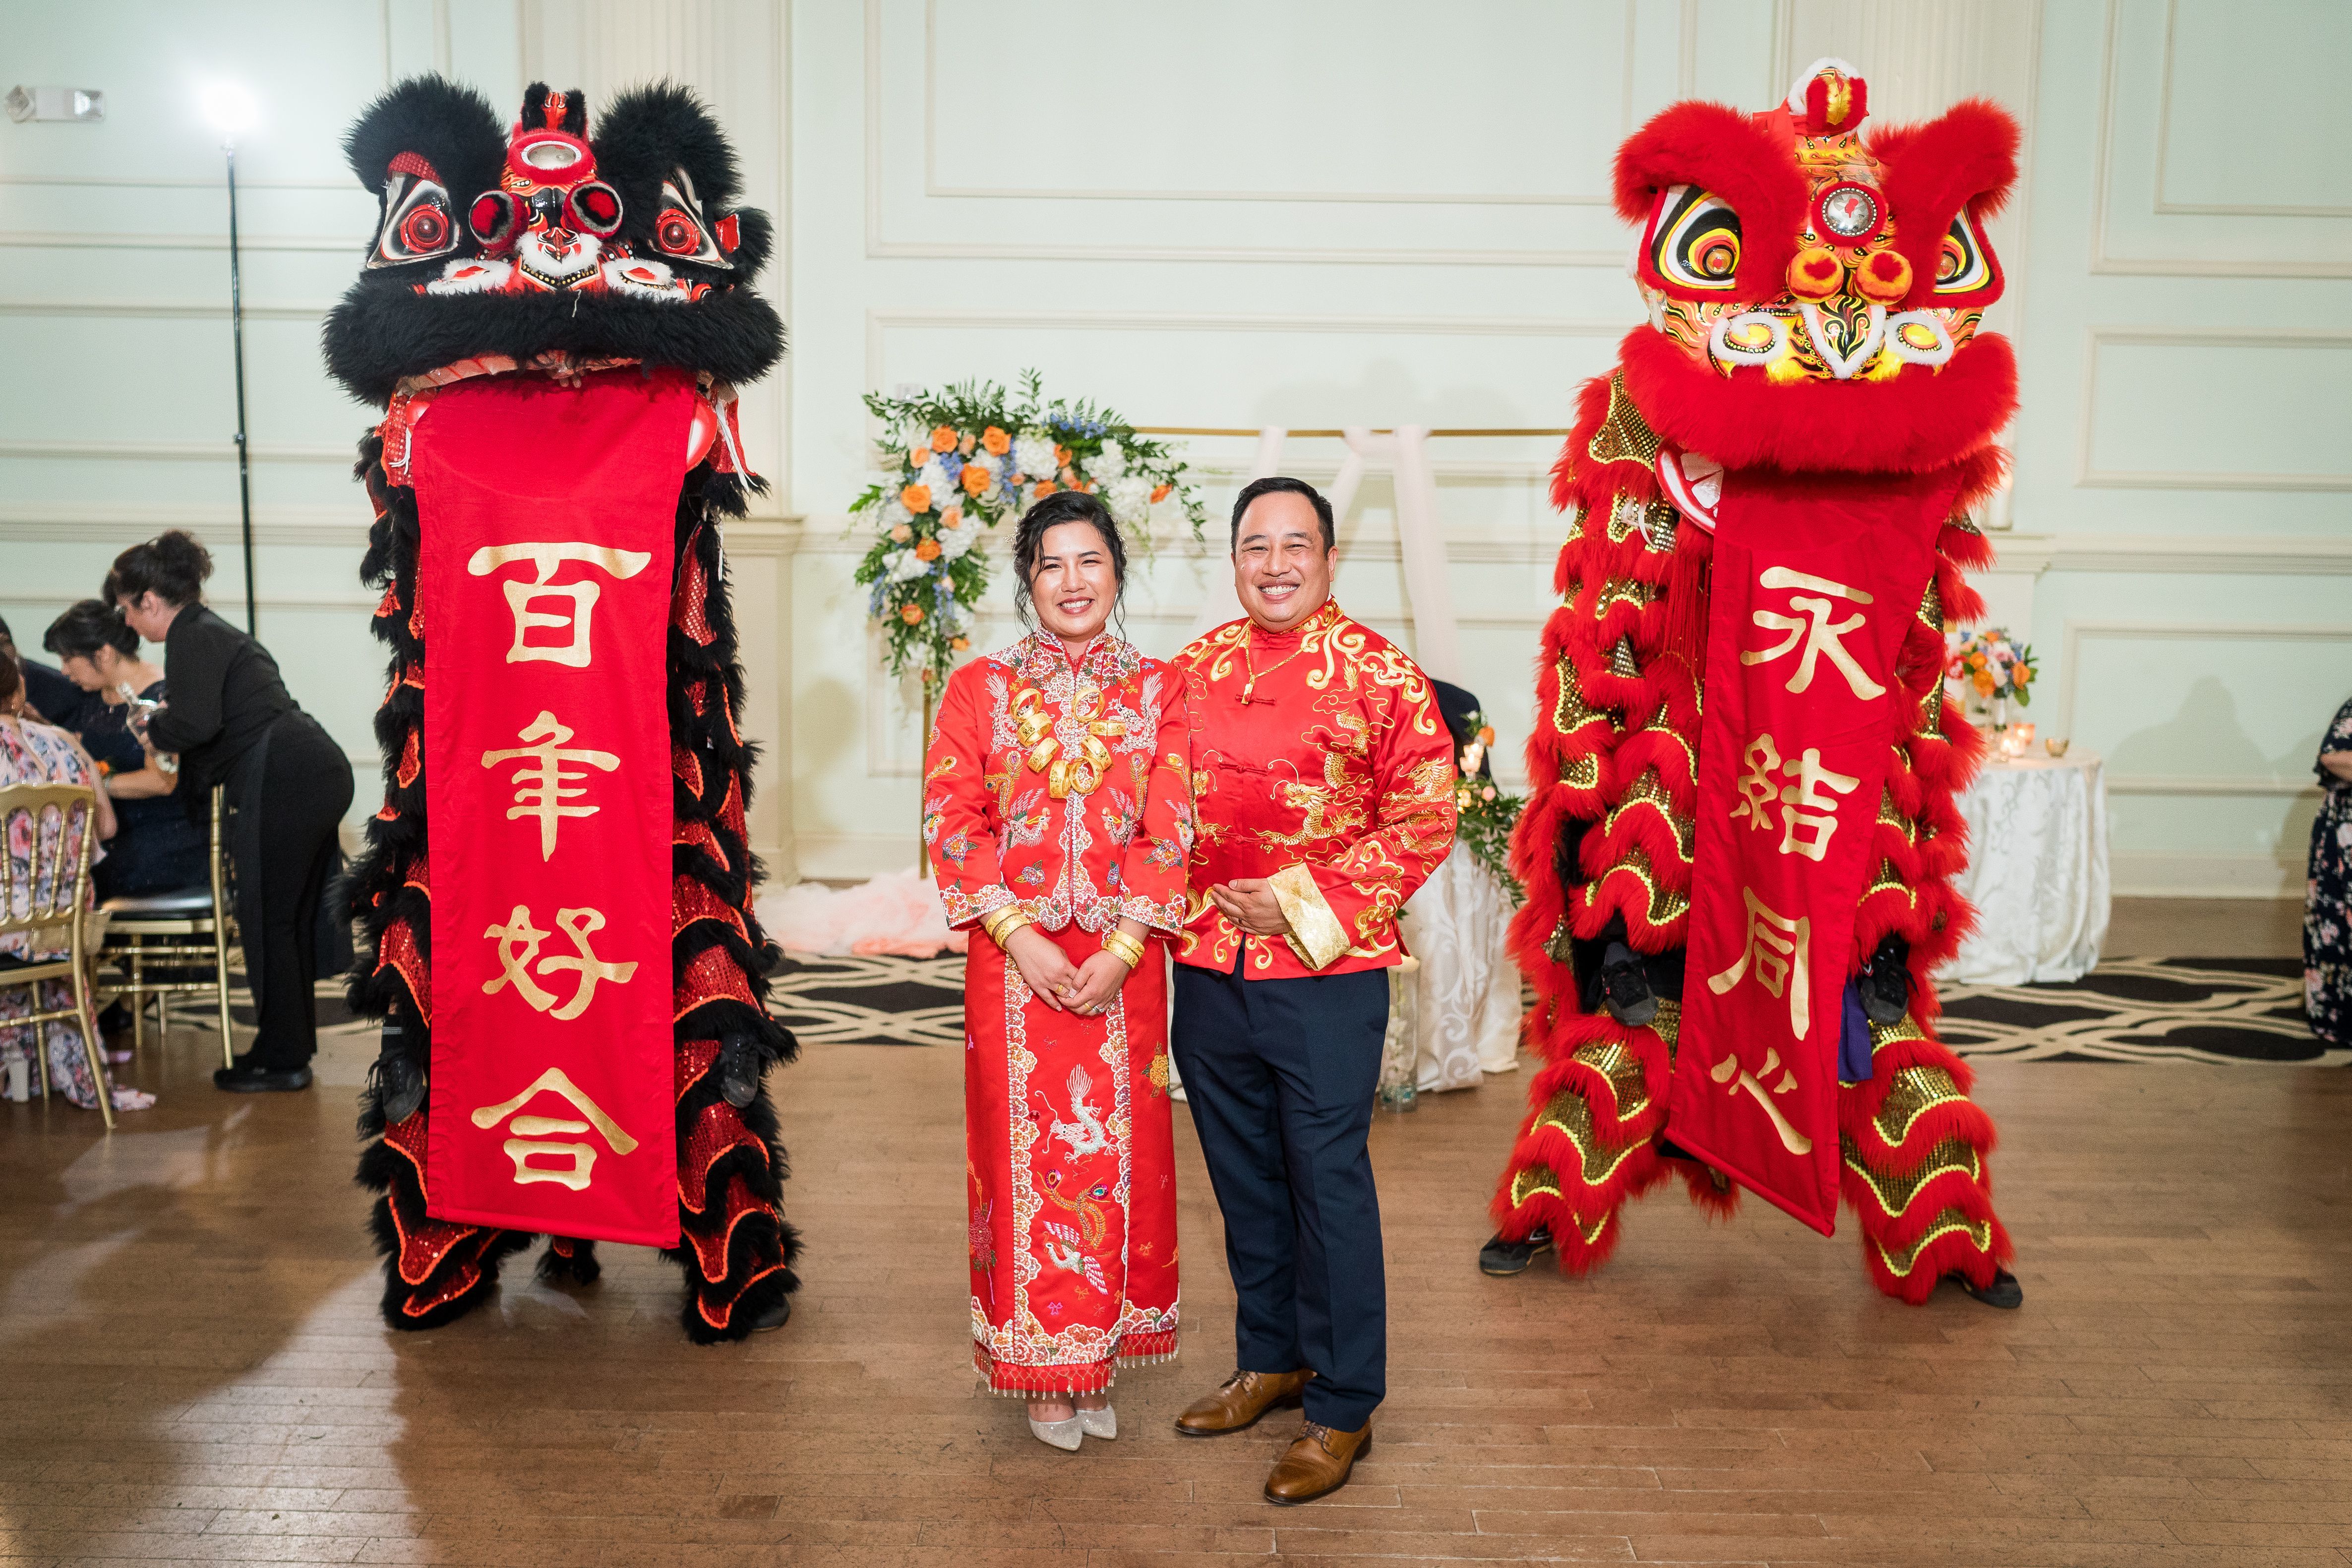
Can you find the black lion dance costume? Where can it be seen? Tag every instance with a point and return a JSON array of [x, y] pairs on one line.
[[1741, 837], [562, 951]]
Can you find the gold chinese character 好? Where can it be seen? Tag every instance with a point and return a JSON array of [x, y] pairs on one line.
[[1778, 952], [1822, 637], [518, 942], [528, 1134], [546, 784], [569, 603]]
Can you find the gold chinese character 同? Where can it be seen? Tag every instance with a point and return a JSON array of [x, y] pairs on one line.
[[574, 600], [518, 942], [1779, 950], [1821, 636], [1730, 1072], [546, 784], [528, 1134]]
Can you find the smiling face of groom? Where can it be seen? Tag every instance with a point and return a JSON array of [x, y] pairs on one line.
[[1283, 557]]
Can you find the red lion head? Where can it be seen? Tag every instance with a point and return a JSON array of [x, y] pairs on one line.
[[1814, 296]]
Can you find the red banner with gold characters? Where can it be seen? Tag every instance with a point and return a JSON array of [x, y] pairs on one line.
[[1813, 595], [546, 513]]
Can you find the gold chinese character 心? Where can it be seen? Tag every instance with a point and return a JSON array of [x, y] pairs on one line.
[[1730, 1072]]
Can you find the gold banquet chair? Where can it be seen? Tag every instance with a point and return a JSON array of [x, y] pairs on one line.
[[189, 927], [50, 892]]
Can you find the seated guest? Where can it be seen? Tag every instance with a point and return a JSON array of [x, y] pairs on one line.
[[50, 696], [37, 754], [157, 847]]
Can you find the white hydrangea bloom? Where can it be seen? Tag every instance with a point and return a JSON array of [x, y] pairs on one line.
[[1033, 454], [893, 512], [1107, 464], [908, 565], [935, 475], [990, 461], [955, 543], [1130, 499]]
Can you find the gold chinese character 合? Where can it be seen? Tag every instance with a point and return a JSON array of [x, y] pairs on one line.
[[1778, 949], [527, 1134], [546, 784], [1821, 636], [518, 942], [575, 599], [1730, 1072]]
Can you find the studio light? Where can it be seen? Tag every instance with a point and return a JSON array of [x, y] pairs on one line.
[[228, 109]]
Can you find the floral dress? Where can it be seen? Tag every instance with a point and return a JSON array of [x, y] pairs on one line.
[[2327, 902], [1062, 785], [37, 754]]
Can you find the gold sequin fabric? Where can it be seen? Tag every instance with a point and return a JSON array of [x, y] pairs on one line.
[[1625, 436], [1900, 1264], [1628, 1087], [1570, 712], [1895, 1193], [1914, 1093]]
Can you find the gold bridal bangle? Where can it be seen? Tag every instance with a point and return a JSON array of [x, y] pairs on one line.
[[1001, 925], [1129, 950]]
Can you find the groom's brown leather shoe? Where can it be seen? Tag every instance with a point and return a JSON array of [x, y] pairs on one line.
[[1245, 1396], [1318, 1464]]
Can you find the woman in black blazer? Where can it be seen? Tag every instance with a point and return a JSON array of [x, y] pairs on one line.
[[231, 721]]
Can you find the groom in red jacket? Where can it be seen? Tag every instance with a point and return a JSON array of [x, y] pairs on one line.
[[1323, 785]]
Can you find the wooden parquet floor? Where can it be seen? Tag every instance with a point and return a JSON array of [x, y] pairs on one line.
[[194, 1369]]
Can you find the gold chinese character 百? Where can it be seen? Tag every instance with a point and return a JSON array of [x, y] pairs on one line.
[[1730, 1072], [518, 942], [1814, 628], [546, 784], [528, 1134], [573, 601], [1778, 952]]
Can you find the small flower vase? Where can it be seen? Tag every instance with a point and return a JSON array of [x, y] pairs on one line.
[[2000, 711]]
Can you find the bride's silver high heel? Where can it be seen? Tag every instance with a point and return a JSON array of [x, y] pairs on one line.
[[1063, 1434], [1103, 1423]]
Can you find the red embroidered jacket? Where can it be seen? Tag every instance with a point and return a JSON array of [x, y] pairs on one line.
[[1060, 785], [1319, 763]]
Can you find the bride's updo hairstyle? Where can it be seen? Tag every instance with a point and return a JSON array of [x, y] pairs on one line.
[[1029, 537], [173, 566]]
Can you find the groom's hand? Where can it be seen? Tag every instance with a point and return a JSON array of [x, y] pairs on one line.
[[1250, 903]]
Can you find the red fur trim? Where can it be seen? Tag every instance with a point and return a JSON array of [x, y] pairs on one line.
[[1966, 155], [1922, 419], [1718, 1203], [1749, 163], [1955, 1253], [1592, 408]]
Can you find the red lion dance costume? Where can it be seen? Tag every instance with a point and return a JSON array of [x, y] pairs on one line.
[[1740, 842], [563, 952]]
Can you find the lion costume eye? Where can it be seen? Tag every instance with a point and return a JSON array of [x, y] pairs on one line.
[[1695, 244], [678, 232], [418, 224], [1964, 263]]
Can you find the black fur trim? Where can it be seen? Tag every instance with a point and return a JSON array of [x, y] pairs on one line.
[[451, 127], [650, 131], [580, 1267], [575, 109]]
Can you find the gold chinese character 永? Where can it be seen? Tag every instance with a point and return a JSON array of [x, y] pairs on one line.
[[1778, 949], [1821, 636], [518, 942], [572, 601], [546, 784], [1730, 1072], [528, 1134]]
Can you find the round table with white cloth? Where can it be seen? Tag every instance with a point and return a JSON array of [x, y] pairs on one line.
[[1466, 989], [2037, 871]]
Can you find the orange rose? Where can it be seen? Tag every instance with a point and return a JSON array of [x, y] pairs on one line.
[[1983, 684], [952, 518], [928, 549], [2020, 675], [958, 643], [943, 439], [910, 613], [1045, 488], [900, 534], [1160, 494], [997, 442], [975, 480], [918, 456], [1487, 735], [916, 499], [1062, 456], [964, 445]]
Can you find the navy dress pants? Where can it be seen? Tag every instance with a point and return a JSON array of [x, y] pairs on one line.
[[1279, 1075]]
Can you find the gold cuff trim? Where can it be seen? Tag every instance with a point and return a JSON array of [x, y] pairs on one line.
[[1315, 934]]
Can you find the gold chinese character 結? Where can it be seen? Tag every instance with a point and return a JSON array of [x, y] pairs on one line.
[[1778, 952], [1730, 1073], [518, 942], [528, 1134], [569, 603], [1822, 637], [545, 782], [1811, 801]]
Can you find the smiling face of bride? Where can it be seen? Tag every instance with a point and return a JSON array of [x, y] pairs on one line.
[[1072, 564]]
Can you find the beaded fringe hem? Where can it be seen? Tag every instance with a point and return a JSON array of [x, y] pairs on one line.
[[1007, 1380]]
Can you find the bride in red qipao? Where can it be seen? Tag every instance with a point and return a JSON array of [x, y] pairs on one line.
[[1058, 811]]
